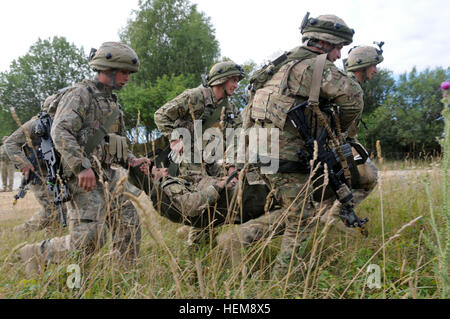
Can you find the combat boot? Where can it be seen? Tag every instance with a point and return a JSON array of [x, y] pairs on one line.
[[10, 189], [3, 189], [33, 258]]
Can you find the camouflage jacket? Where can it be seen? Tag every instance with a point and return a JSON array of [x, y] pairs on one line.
[[176, 113], [14, 144], [290, 86], [81, 112], [353, 129], [3, 154], [205, 203]]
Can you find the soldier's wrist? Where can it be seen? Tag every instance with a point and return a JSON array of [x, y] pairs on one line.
[[81, 166]]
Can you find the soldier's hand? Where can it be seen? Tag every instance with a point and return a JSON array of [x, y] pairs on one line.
[[177, 146], [86, 179], [26, 171], [143, 163]]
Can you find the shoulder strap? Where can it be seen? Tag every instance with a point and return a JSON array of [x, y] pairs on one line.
[[314, 93]]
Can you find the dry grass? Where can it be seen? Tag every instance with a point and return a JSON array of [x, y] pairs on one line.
[[336, 263]]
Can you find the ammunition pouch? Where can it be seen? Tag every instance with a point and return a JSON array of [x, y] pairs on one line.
[[117, 147]]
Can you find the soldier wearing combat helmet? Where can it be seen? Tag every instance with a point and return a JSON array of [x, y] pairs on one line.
[[88, 131], [303, 76], [361, 66], [209, 103]]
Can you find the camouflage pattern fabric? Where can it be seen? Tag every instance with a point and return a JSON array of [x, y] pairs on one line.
[[177, 114], [91, 215], [79, 115], [47, 217], [48, 214], [291, 86], [7, 170], [205, 204], [81, 112]]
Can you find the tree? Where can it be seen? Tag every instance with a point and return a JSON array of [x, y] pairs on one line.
[[409, 120], [147, 98], [48, 66], [171, 38], [377, 90]]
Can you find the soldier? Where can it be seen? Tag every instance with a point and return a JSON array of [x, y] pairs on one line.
[[209, 103], [211, 202], [276, 90], [7, 169], [361, 66], [20, 154], [89, 133]]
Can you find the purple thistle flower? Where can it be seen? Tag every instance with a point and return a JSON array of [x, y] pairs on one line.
[[445, 86]]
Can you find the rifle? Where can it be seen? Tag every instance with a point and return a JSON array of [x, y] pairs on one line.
[[32, 176], [54, 180], [336, 176]]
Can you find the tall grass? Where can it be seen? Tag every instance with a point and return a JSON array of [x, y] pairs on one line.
[[336, 263], [440, 220]]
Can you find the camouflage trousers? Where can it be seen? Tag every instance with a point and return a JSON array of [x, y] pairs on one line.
[[92, 214], [292, 221], [7, 175], [48, 215]]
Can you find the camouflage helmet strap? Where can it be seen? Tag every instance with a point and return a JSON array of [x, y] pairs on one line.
[[314, 93]]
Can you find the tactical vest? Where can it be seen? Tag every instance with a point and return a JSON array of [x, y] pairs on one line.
[[272, 102], [103, 137]]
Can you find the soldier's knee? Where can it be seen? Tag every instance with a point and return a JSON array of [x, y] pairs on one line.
[[88, 235]]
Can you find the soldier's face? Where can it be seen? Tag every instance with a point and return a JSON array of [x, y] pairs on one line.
[[122, 77], [231, 85], [335, 54], [371, 71]]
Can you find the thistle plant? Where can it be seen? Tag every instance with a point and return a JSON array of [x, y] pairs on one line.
[[440, 246]]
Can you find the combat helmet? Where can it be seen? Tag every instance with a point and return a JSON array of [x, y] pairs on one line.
[[222, 71], [329, 28], [361, 57], [114, 55]]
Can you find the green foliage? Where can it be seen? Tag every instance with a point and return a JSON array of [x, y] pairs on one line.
[[408, 119], [377, 90], [170, 37], [239, 96], [48, 66], [145, 99]]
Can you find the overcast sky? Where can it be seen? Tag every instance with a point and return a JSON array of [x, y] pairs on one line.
[[416, 32]]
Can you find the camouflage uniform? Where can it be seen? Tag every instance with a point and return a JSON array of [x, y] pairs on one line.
[[82, 111], [202, 103], [360, 57], [268, 107], [205, 204], [17, 151], [7, 169]]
